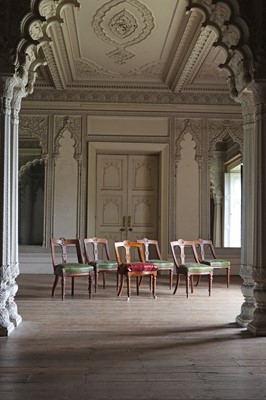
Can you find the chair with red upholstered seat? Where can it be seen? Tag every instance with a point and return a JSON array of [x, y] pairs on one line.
[[126, 250], [187, 263], [71, 263], [153, 255]]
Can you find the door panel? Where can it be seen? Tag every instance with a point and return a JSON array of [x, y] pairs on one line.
[[127, 197], [142, 196]]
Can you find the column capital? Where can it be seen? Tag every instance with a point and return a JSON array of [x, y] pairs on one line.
[[259, 94]]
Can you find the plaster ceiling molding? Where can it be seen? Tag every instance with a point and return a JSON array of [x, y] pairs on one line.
[[210, 74], [182, 52], [88, 70], [121, 28], [47, 8], [54, 47], [200, 50]]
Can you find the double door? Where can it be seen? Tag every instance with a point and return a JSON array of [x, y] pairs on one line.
[[127, 197]]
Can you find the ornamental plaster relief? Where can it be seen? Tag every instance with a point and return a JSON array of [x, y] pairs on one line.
[[195, 19], [73, 126], [203, 44], [118, 95], [88, 70], [122, 28], [219, 129], [193, 127], [35, 126]]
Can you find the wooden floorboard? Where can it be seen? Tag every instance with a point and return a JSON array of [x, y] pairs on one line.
[[106, 348]]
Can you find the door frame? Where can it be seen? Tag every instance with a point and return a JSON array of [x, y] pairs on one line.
[[162, 150]]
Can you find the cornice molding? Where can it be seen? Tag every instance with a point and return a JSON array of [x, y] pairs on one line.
[[119, 96]]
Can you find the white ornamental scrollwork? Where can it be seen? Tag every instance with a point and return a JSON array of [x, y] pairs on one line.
[[73, 126], [119, 27]]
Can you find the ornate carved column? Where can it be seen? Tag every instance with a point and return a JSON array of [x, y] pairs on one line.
[[258, 325], [217, 171], [10, 104], [248, 223]]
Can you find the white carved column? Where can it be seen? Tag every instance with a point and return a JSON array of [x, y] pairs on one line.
[[9, 269], [218, 195], [258, 325], [247, 236]]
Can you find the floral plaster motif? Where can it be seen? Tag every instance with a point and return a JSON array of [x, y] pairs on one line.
[[120, 28]]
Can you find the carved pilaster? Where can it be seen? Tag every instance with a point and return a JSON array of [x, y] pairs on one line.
[[247, 237], [258, 325]]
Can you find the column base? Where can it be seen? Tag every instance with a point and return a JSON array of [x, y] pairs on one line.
[[242, 322], [256, 330], [17, 321], [246, 315], [5, 331]]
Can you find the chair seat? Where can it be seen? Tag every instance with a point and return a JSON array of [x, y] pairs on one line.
[[137, 267], [194, 268], [163, 264], [216, 263], [106, 264], [72, 268]]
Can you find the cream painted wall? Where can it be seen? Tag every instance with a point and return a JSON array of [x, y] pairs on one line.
[[70, 184], [187, 192], [65, 190]]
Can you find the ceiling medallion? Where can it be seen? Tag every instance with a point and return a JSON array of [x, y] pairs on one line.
[[123, 24], [119, 27]]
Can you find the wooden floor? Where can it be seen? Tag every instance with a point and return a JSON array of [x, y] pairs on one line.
[[109, 349]]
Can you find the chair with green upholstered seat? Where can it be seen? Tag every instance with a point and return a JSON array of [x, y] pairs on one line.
[[187, 263], [207, 255], [101, 259], [71, 263], [153, 254]]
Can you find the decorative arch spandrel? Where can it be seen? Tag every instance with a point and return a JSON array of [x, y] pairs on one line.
[[73, 126], [193, 127]]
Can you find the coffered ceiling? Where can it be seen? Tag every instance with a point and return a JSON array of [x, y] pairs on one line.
[[133, 44]]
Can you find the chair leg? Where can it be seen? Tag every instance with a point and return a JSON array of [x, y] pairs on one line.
[[63, 283], [137, 285], [192, 283], [177, 283], [198, 280], [104, 280], [121, 284], [210, 282], [187, 284], [129, 286], [171, 273], [55, 284], [96, 276], [228, 276], [89, 285], [72, 286], [154, 286], [117, 279]]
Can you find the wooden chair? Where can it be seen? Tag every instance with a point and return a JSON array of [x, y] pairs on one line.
[[60, 249], [101, 259], [207, 255], [180, 249], [153, 254], [125, 250]]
